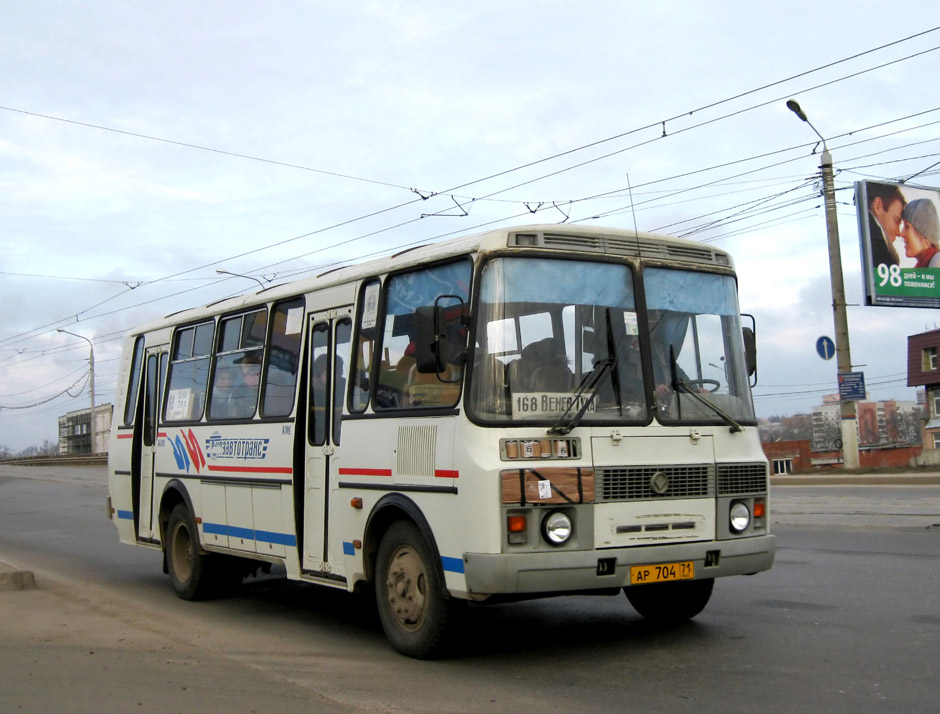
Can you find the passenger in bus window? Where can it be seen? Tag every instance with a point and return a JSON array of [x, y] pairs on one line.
[[279, 383], [394, 378], [631, 373], [319, 383], [222, 404], [339, 389], [246, 394], [435, 389]]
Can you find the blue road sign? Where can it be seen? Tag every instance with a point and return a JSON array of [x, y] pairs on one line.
[[825, 347], [852, 386]]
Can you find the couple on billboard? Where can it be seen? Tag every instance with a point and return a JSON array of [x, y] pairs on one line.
[[892, 216]]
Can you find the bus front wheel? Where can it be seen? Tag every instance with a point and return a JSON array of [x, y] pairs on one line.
[[670, 603], [188, 568], [409, 593]]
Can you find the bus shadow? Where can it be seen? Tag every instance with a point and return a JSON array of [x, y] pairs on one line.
[[534, 628]]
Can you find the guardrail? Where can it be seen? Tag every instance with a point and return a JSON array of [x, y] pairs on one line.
[[83, 460]]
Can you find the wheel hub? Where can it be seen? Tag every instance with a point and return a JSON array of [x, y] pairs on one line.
[[407, 588]]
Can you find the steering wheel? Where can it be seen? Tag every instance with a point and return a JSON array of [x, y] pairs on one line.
[[712, 385]]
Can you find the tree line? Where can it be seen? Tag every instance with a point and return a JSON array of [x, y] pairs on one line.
[[47, 448]]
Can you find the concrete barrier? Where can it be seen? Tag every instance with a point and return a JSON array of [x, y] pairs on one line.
[[13, 579]]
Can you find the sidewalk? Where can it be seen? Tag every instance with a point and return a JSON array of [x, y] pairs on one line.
[[841, 478]]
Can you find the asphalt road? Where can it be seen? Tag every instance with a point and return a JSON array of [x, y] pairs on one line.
[[848, 620]]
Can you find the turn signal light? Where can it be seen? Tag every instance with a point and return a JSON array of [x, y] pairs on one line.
[[516, 525], [758, 509]]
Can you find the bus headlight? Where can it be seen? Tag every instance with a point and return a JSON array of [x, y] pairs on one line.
[[740, 517], [556, 528]]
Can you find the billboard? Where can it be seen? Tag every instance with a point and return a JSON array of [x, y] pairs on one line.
[[899, 230]]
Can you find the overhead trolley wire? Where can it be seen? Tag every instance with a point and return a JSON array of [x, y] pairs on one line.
[[475, 181]]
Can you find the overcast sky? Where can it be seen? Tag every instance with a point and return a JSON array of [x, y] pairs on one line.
[[144, 145]]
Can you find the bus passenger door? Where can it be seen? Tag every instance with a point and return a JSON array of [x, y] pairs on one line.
[[154, 374], [330, 337]]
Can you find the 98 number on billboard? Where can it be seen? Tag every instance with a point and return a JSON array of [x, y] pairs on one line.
[[889, 274]]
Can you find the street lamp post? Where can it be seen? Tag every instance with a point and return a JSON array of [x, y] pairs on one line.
[[843, 351], [91, 386]]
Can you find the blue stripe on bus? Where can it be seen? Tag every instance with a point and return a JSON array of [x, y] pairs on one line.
[[348, 548], [276, 538], [126, 515], [249, 534], [453, 565]]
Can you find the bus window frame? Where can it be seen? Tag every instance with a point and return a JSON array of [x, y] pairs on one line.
[[217, 354], [434, 409], [133, 385], [268, 354], [173, 345], [353, 408]]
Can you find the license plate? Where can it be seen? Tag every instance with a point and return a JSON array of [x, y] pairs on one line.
[[662, 573]]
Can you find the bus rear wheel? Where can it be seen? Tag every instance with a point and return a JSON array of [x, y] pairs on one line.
[[188, 568], [410, 594], [670, 603]]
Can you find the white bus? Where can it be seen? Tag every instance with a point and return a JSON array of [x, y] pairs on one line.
[[521, 413]]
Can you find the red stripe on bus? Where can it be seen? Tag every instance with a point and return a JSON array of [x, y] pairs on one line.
[[125, 436], [365, 472], [254, 469], [443, 473]]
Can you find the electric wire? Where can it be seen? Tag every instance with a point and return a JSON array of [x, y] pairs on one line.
[[485, 178]]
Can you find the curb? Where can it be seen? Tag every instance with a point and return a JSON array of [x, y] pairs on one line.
[[12, 580], [901, 479]]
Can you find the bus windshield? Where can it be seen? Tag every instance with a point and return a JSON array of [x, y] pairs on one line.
[[554, 336], [561, 342], [696, 347]]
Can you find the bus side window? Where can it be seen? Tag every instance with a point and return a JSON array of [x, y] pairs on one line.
[[237, 373], [365, 345], [430, 300], [280, 378], [133, 386], [319, 384], [150, 402], [189, 372], [340, 360]]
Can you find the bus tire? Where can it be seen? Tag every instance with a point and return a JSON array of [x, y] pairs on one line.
[[188, 568], [409, 593], [670, 603]]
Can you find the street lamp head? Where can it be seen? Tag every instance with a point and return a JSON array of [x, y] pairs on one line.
[[794, 107], [73, 334]]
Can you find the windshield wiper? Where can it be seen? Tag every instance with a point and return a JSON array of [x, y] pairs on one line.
[[680, 385], [601, 367], [566, 423]]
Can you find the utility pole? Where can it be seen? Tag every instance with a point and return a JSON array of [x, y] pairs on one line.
[[843, 351], [91, 387]]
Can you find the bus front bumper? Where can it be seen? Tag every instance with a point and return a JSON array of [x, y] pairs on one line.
[[578, 570]]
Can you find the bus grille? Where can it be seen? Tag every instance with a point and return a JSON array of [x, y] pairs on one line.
[[636, 483], [742, 478]]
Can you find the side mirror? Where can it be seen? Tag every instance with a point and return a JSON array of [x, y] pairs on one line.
[[428, 359], [750, 349], [436, 335]]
